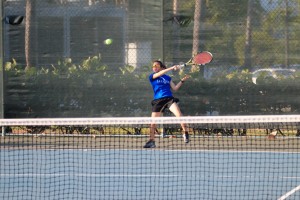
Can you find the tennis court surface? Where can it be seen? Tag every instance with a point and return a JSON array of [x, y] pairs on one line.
[[251, 157]]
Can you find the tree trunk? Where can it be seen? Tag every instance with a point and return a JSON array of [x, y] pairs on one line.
[[248, 41], [286, 26], [196, 31], [176, 34], [27, 32]]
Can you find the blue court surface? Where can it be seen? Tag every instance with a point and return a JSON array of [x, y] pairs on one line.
[[148, 174]]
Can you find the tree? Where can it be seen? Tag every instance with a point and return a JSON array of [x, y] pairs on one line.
[[196, 30], [27, 32], [176, 33], [286, 33], [29, 12], [248, 40]]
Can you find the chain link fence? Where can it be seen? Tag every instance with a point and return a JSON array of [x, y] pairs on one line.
[[66, 58]]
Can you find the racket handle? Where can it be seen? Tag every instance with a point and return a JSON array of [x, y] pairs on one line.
[[181, 66]]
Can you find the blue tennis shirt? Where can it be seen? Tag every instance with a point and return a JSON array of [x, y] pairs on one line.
[[161, 86]]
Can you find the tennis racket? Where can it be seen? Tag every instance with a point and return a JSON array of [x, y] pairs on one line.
[[201, 58]]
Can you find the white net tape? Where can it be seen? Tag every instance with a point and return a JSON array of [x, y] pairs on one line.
[[149, 120]]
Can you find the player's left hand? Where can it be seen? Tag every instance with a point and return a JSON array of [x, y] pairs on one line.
[[185, 77]]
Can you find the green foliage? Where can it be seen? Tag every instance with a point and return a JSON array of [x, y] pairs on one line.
[[13, 67], [227, 10], [69, 90], [128, 69], [223, 31], [93, 63], [260, 51], [88, 92], [244, 76]]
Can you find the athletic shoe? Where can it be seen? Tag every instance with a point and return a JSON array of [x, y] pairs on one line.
[[186, 138], [150, 144]]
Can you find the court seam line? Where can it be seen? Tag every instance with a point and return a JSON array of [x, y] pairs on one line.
[[286, 195]]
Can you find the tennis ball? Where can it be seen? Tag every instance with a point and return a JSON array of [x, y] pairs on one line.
[[108, 41]]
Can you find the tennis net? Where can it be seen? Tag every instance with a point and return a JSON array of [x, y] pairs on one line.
[[228, 157]]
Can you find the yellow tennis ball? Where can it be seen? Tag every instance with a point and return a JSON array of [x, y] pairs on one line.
[[108, 41]]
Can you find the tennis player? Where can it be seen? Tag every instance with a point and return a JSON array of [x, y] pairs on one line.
[[163, 97]]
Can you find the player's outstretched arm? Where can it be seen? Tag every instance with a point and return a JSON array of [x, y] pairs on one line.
[[162, 72]]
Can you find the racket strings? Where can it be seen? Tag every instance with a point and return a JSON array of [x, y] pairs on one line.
[[202, 58]]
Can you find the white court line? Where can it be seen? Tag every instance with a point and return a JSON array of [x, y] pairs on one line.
[[122, 175], [170, 150], [221, 150], [289, 193], [247, 177], [90, 175], [290, 177]]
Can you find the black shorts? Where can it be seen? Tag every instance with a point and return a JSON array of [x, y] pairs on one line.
[[159, 105]]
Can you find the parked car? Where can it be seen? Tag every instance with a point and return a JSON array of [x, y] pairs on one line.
[[276, 73]]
